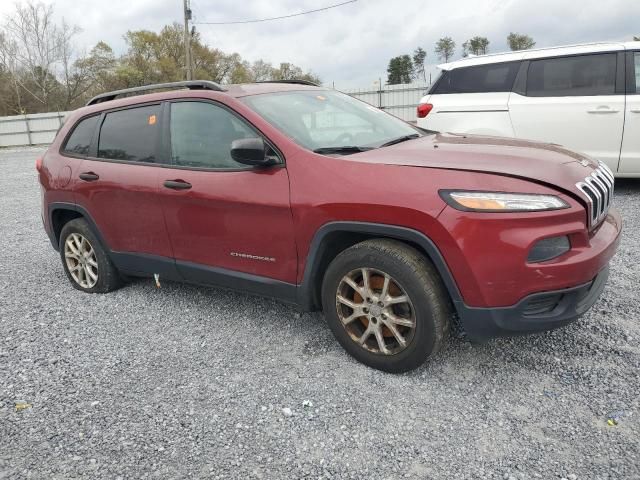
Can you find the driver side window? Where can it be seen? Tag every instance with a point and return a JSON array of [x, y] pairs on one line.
[[201, 135]]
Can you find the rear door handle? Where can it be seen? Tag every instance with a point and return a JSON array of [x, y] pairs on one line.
[[89, 176], [635, 111], [603, 109], [177, 184]]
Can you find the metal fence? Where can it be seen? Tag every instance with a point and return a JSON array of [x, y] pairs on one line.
[[399, 100], [41, 128], [34, 129]]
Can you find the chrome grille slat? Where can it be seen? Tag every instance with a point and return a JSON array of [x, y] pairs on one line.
[[598, 192], [600, 175]]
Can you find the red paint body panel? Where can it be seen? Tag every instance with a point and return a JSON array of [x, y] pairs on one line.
[[276, 212], [126, 204], [223, 213]]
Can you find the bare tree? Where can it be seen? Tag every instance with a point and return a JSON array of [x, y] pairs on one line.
[[261, 71], [33, 49]]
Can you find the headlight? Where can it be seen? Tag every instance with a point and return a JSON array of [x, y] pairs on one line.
[[501, 202]]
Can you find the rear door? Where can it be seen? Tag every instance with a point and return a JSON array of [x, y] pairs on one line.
[[630, 152], [576, 101], [225, 219], [118, 186], [473, 99]]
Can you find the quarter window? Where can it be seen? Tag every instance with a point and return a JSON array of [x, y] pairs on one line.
[[581, 75], [130, 134], [494, 77], [79, 141], [201, 135]]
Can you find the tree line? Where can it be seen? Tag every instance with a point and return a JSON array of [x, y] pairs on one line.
[[41, 70], [406, 68]]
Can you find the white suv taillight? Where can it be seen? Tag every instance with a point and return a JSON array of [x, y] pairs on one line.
[[424, 109]]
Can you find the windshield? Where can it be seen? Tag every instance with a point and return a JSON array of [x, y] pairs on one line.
[[330, 122]]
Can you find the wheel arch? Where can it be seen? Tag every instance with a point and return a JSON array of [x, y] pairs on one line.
[[332, 238], [61, 213]]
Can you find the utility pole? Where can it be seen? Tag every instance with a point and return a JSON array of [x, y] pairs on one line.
[[187, 40]]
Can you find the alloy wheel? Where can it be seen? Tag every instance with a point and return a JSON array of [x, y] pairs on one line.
[[81, 260], [375, 311]]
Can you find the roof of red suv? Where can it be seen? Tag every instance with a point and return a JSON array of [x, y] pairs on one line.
[[246, 89], [167, 89]]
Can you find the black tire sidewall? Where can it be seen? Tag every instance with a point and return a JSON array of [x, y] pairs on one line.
[[107, 275], [424, 340]]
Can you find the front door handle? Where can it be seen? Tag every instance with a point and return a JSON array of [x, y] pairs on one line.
[[89, 176], [177, 184], [635, 111], [603, 109]]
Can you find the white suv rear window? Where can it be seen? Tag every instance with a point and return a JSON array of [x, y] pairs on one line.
[[494, 77]]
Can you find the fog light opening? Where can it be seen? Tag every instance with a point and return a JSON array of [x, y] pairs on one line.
[[548, 249]]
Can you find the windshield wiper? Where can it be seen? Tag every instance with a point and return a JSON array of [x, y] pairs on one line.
[[400, 139], [346, 150]]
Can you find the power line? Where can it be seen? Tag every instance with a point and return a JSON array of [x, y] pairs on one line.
[[277, 18]]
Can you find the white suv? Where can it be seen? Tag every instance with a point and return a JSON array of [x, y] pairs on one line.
[[584, 97]]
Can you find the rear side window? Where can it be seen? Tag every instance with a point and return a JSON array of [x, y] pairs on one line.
[[79, 141], [581, 75], [130, 134], [495, 77]]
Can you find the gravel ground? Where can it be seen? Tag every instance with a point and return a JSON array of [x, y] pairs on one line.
[[185, 381]]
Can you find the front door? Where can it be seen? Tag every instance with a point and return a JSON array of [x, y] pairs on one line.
[[573, 101], [228, 223], [118, 186], [630, 152]]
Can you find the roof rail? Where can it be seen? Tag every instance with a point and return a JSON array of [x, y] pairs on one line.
[[295, 82], [190, 84]]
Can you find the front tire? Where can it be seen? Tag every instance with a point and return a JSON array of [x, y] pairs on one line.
[[84, 259], [386, 305]]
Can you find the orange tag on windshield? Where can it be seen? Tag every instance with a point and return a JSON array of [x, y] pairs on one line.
[[152, 119]]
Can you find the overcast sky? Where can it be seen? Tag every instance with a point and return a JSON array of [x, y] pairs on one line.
[[351, 45]]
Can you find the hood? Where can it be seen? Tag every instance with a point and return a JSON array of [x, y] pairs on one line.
[[541, 162]]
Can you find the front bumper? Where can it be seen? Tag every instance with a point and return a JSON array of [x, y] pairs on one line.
[[534, 313]]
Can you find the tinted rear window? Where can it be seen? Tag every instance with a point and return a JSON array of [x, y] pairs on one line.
[[495, 77], [79, 141], [130, 134], [581, 75]]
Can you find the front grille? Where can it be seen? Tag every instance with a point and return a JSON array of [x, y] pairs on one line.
[[598, 191]]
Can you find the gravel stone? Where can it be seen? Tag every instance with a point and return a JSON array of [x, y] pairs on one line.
[[189, 382]]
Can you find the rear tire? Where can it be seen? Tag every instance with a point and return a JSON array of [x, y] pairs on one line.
[[85, 261], [386, 305]]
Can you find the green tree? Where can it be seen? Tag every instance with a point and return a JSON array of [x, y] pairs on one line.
[[475, 46], [400, 70], [41, 70], [520, 41], [419, 56], [288, 71], [445, 47]]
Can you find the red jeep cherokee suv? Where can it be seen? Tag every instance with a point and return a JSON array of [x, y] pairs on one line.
[[304, 194]]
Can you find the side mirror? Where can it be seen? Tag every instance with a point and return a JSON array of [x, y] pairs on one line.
[[251, 151]]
